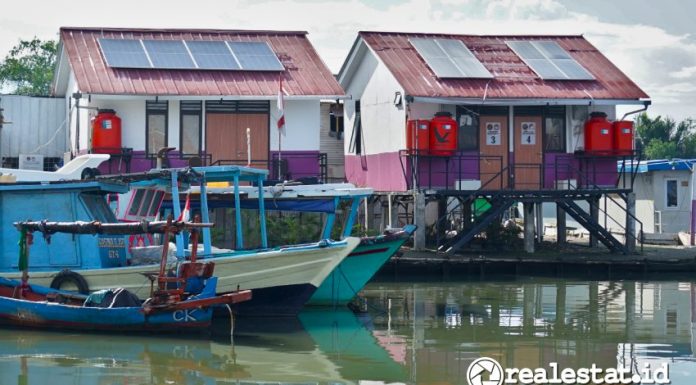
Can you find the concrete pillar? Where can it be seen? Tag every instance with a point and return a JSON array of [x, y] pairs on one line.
[[539, 222], [528, 227], [630, 305], [594, 213], [442, 223], [560, 225], [631, 222], [419, 220]]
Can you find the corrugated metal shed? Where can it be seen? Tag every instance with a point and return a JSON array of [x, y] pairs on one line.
[[305, 74], [513, 79], [38, 126]]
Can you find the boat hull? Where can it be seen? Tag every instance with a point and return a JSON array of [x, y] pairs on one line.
[[42, 314], [343, 284], [304, 267]]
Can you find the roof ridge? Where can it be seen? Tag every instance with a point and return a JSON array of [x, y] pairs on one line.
[[182, 30], [463, 34]]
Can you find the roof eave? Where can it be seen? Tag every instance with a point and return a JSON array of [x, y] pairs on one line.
[[528, 101]]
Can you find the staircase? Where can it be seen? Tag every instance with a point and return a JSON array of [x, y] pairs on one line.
[[498, 206], [585, 219]]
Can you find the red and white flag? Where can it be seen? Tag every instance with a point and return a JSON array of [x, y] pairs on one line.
[[185, 214], [281, 107]]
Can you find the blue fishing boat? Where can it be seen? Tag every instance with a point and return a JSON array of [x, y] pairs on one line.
[[181, 302], [283, 278], [356, 270]]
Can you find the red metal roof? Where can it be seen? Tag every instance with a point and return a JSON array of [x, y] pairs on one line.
[[512, 77], [305, 73]]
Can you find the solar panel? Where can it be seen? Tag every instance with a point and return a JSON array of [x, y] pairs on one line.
[[169, 54], [450, 58], [198, 54], [212, 55], [549, 60], [255, 56], [121, 53]]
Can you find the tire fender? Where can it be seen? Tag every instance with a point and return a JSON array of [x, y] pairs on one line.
[[72, 277]]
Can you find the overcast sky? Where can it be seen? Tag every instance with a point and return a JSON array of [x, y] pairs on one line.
[[653, 42]]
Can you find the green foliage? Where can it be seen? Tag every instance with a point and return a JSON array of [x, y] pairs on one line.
[[293, 228], [663, 138], [28, 68], [503, 237]]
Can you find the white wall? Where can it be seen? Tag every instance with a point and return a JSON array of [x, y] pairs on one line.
[[38, 126], [383, 123], [302, 121]]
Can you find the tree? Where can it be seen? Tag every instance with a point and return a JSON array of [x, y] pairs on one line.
[[663, 138], [28, 68]]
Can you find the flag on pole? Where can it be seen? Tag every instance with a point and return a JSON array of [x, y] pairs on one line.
[[281, 107], [185, 214]]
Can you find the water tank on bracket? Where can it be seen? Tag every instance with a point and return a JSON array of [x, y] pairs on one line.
[[623, 137], [418, 136], [598, 134], [443, 134], [106, 132]]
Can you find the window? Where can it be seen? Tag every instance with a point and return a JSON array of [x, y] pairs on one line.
[[336, 121], [554, 133], [190, 127], [356, 139], [155, 126], [671, 193], [97, 206], [144, 204], [468, 137]]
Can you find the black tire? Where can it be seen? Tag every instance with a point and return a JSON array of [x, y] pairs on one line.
[[87, 173], [71, 277]]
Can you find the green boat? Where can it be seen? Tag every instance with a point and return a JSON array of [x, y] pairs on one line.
[[343, 284]]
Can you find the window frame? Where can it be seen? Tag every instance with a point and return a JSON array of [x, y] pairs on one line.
[[183, 113], [150, 110], [676, 198], [356, 138], [564, 129], [476, 127]]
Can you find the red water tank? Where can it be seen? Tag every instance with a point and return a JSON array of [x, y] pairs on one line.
[[418, 136], [106, 132], [598, 133], [623, 137], [443, 134]]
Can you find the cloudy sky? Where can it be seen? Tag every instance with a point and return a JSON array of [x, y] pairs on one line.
[[653, 42]]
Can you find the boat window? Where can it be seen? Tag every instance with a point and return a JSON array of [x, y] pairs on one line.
[[147, 201], [136, 202], [98, 208], [156, 202]]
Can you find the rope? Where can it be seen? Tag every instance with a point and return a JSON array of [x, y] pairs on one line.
[[355, 295], [23, 252]]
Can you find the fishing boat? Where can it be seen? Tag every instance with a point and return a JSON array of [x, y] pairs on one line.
[[354, 272], [283, 278], [180, 301]]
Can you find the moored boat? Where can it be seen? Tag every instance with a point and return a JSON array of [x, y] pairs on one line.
[[180, 301]]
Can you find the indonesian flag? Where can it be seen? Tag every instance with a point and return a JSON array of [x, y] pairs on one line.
[[186, 212], [281, 105]]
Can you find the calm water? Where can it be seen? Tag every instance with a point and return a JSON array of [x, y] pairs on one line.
[[414, 333]]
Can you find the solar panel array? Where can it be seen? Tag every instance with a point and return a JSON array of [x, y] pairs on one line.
[[185, 54], [549, 60], [450, 58]]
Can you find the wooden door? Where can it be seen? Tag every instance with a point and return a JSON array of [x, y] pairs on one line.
[[528, 167], [493, 139], [226, 138]]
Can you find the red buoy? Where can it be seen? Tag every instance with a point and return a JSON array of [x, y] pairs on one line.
[[106, 132], [443, 134]]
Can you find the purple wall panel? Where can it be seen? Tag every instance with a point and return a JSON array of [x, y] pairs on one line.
[[300, 164], [382, 172], [559, 166], [443, 172]]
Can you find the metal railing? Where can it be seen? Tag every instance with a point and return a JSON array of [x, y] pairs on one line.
[[308, 167]]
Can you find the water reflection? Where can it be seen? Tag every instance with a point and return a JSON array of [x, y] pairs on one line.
[[326, 347], [413, 333], [442, 327]]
